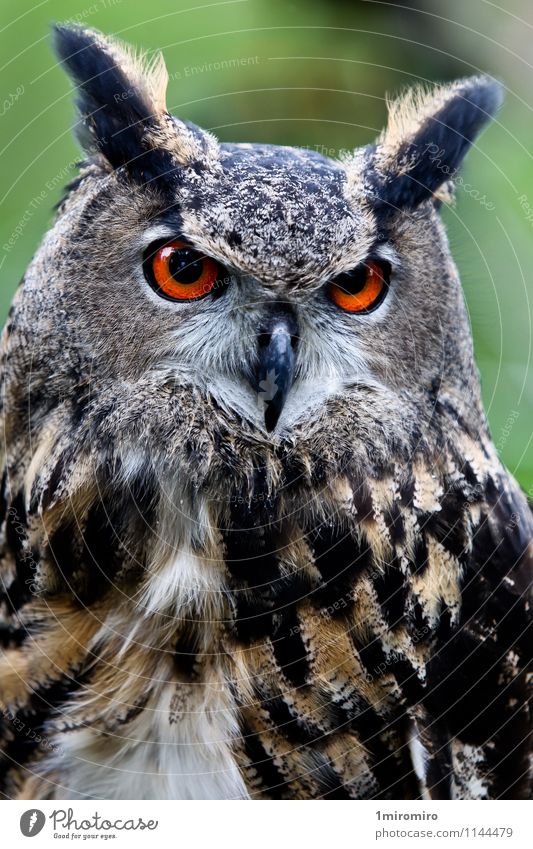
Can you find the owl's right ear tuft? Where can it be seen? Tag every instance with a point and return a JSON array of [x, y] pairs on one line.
[[120, 97], [428, 134]]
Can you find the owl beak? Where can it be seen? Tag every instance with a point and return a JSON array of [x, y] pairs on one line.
[[275, 373]]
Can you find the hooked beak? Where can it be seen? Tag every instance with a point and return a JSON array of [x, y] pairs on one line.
[[275, 373]]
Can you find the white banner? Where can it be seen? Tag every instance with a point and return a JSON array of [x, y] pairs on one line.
[[268, 825]]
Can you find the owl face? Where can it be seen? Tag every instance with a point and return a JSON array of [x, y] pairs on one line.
[[271, 280], [263, 282]]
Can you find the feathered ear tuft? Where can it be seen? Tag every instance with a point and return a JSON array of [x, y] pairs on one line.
[[427, 137], [121, 99]]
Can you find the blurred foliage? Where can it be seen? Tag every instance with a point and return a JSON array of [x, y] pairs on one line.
[[315, 74]]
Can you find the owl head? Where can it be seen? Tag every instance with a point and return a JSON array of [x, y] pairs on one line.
[[280, 293]]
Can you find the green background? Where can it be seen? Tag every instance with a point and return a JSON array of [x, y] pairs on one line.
[[307, 73]]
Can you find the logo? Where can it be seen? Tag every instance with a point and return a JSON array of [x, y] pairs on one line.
[[267, 389], [32, 822]]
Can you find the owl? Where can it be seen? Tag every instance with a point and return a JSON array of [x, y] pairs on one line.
[[257, 542]]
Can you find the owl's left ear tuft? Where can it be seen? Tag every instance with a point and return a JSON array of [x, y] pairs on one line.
[[427, 137]]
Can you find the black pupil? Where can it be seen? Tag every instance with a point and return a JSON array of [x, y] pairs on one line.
[[185, 265], [353, 281]]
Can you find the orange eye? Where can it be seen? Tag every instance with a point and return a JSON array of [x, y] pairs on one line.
[[362, 289], [179, 273]]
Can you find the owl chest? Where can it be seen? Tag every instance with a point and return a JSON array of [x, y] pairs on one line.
[[177, 745], [275, 615], [182, 749], [166, 730]]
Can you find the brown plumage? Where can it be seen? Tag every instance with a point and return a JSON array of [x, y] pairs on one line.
[[255, 544]]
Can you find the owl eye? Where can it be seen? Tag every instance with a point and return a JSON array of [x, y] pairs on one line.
[[179, 273], [363, 289]]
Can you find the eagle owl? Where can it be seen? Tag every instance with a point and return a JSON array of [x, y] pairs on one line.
[[256, 539]]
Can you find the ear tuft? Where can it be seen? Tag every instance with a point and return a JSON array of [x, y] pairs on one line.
[[121, 97], [427, 137], [96, 61]]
